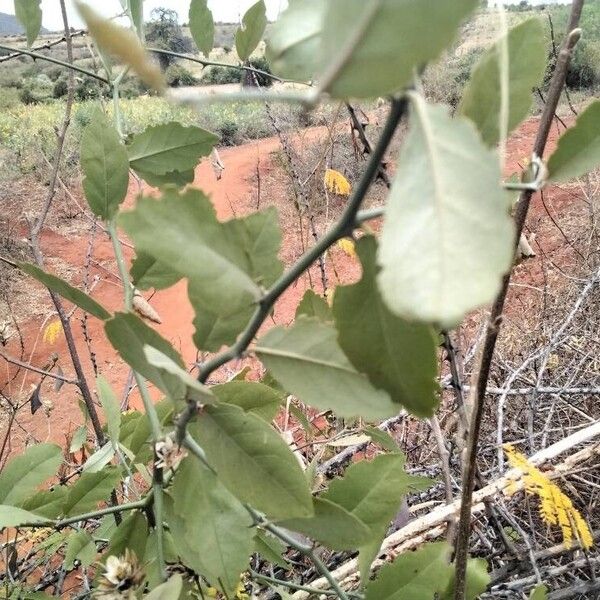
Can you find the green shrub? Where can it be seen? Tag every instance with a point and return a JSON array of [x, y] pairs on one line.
[[262, 64], [9, 97], [221, 75], [36, 90], [228, 131], [178, 76], [61, 87], [584, 71]]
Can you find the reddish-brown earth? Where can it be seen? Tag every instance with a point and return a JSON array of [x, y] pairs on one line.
[[235, 194]]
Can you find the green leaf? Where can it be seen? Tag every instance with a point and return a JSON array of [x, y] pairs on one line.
[[316, 306], [202, 26], [398, 356], [578, 150], [131, 534], [150, 560], [481, 100], [47, 503], [147, 273], [90, 489], [105, 167], [129, 334], [25, 472], [253, 461], [248, 36], [371, 49], [97, 461], [68, 292], [383, 438], [448, 238], [257, 238], [111, 408], [224, 262], [11, 516], [331, 525], [271, 549], [253, 397], [170, 590], [539, 593], [307, 360], [373, 492], [177, 178], [29, 14], [195, 390], [162, 149], [294, 40], [78, 440], [416, 575], [211, 529], [477, 582], [80, 546], [123, 44], [136, 8]]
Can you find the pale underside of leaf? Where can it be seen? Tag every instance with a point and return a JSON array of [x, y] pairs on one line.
[[447, 239]]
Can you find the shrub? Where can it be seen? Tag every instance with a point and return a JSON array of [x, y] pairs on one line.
[[9, 97], [584, 71], [178, 76], [261, 64], [36, 90], [221, 75], [228, 132]]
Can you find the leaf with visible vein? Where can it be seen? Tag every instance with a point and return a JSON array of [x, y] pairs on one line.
[[447, 238], [578, 150], [307, 360], [527, 61], [162, 149], [398, 356], [253, 461]]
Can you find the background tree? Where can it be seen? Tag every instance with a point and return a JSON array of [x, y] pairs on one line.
[[164, 32]]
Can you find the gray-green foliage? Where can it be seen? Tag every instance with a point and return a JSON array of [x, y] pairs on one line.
[[251, 31], [481, 101], [105, 167], [456, 239], [398, 356], [308, 361], [29, 13], [578, 150], [447, 241], [202, 26]]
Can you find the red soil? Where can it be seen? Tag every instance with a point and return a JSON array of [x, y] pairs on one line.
[[235, 194]]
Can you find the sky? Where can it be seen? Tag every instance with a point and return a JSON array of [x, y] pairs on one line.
[[223, 10]]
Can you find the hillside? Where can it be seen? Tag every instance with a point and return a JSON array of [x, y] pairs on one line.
[[10, 26]]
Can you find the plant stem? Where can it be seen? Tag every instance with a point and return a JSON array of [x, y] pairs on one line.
[[304, 549], [109, 510], [56, 62], [211, 63], [342, 228], [295, 586], [494, 322], [114, 238], [157, 435]]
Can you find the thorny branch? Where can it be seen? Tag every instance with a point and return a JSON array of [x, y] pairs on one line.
[[494, 321]]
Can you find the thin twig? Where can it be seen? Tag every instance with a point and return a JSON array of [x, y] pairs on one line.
[[494, 322], [342, 228]]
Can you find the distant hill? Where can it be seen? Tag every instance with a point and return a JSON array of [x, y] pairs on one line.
[[10, 26]]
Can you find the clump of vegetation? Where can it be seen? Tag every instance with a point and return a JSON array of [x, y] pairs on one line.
[[179, 76]]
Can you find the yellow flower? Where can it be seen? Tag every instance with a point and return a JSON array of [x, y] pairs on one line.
[[52, 331], [556, 507], [336, 183]]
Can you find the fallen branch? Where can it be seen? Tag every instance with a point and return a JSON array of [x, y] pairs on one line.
[[433, 524]]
